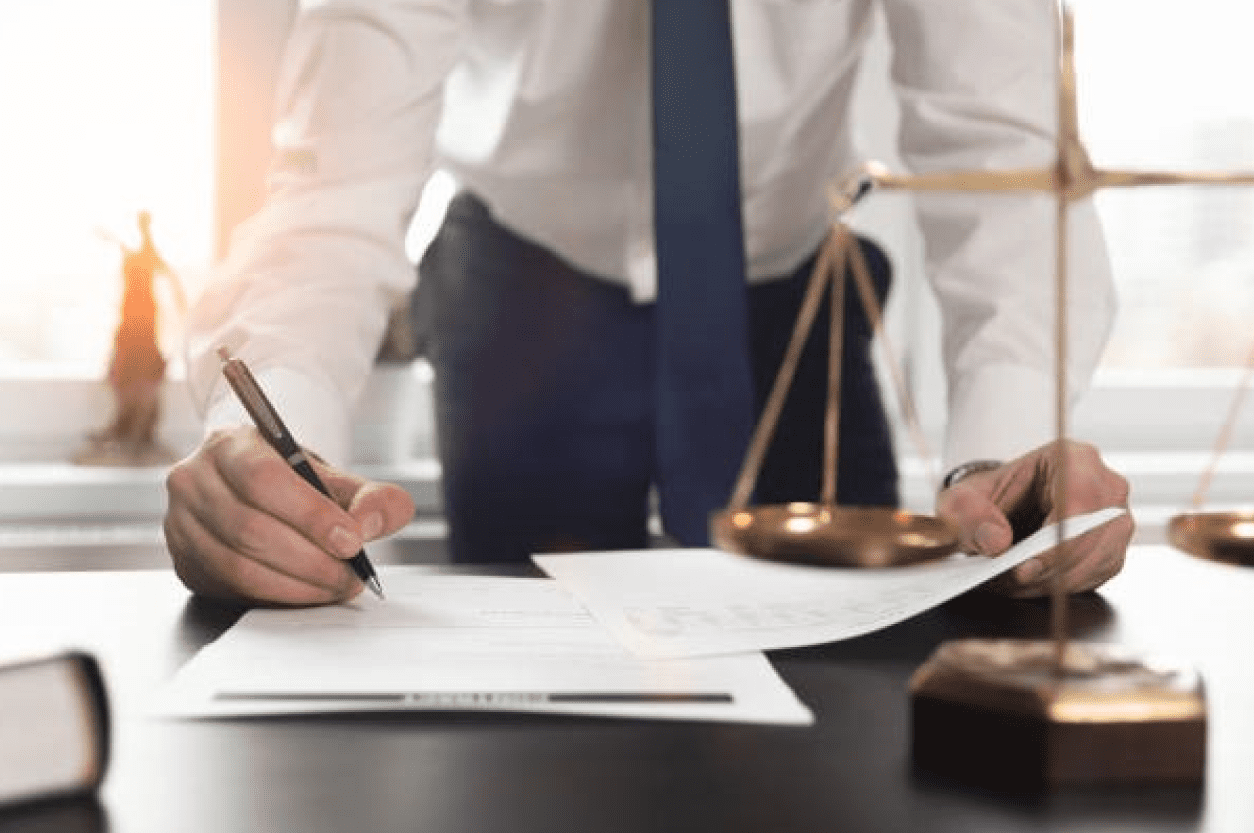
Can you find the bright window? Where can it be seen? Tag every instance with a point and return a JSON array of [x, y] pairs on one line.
[[1165, 85], [108, 110]]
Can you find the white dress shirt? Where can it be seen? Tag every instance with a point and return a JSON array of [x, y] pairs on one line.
[[541, 108]]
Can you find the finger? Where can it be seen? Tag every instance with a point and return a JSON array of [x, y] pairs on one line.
[[259, 478], [1104, 560], [1040, 582], [1090, 484], [969, 508], [182, 491], [188, 562], [253, 534], [1091, 560], [200, 498], [379, 508], [220, 572]]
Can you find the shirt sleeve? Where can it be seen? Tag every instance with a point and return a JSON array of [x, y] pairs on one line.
[[305, 290], [977, 84]]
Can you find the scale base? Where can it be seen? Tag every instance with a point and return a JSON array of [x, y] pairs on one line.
[[997, 713]]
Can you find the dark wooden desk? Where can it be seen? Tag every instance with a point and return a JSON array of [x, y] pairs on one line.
[[487, 773]]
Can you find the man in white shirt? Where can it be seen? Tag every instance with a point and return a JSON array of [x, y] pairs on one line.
[[541, 111]]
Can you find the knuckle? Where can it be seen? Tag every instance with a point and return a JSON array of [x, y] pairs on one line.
[[184, 574], [178, 480], [1117, 558], [192, 567], [1082, 451], [319, 517], [190, 573], [218, 444], [176, 545], [173, 534], [263, 470], [1086, 492], [318, 521], [234, 573], [324, 571], [1118, 486], [343, 587], [248, 532], [959, 501]]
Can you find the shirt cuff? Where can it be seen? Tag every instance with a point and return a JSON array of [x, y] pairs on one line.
[[316, 417], [1000, 413]]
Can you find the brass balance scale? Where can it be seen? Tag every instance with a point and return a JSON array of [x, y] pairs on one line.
[[1044, 712], [1218, 536]]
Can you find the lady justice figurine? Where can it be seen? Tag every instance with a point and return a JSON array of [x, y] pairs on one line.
[[137, 367]]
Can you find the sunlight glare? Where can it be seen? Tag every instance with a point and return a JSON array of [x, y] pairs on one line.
[[108, 111]]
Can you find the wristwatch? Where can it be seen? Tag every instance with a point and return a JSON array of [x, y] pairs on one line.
[[966, 469]]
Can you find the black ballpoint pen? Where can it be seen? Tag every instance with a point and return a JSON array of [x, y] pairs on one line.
[[280, 439]]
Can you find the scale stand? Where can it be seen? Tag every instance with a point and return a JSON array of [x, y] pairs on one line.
[[825, 533], [1218, 536], [1032, 713]]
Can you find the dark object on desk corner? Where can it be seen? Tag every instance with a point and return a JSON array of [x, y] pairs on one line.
[[69, 814], [54, 739], [997, 713]]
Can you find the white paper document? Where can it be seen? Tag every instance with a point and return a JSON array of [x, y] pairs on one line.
[[456, 642], [671, 603]]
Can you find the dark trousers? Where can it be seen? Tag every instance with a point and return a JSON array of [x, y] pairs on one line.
[[544, 381]]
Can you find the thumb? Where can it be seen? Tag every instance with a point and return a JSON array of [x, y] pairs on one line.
[[982, 527], [379, 508]]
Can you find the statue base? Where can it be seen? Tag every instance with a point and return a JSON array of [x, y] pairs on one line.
[[998, 712]]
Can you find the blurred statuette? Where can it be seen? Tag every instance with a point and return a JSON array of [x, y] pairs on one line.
[[136, 367]]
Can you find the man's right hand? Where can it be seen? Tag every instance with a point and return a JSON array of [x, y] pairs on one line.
[[243, 527]]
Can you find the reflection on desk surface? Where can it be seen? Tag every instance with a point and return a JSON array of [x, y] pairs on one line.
[[139, 544], [483, 773]]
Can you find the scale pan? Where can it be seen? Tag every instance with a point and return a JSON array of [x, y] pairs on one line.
[[833, 536], [1217, 536]]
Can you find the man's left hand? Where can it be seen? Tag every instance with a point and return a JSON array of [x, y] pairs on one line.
[[992, 509]]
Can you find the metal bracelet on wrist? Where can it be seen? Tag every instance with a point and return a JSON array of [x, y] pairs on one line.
[[967, 469]]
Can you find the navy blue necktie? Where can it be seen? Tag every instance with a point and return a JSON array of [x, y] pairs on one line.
[[704, 395]]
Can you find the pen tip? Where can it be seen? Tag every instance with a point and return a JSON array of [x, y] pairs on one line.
[[374, 585], [224, 353]]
